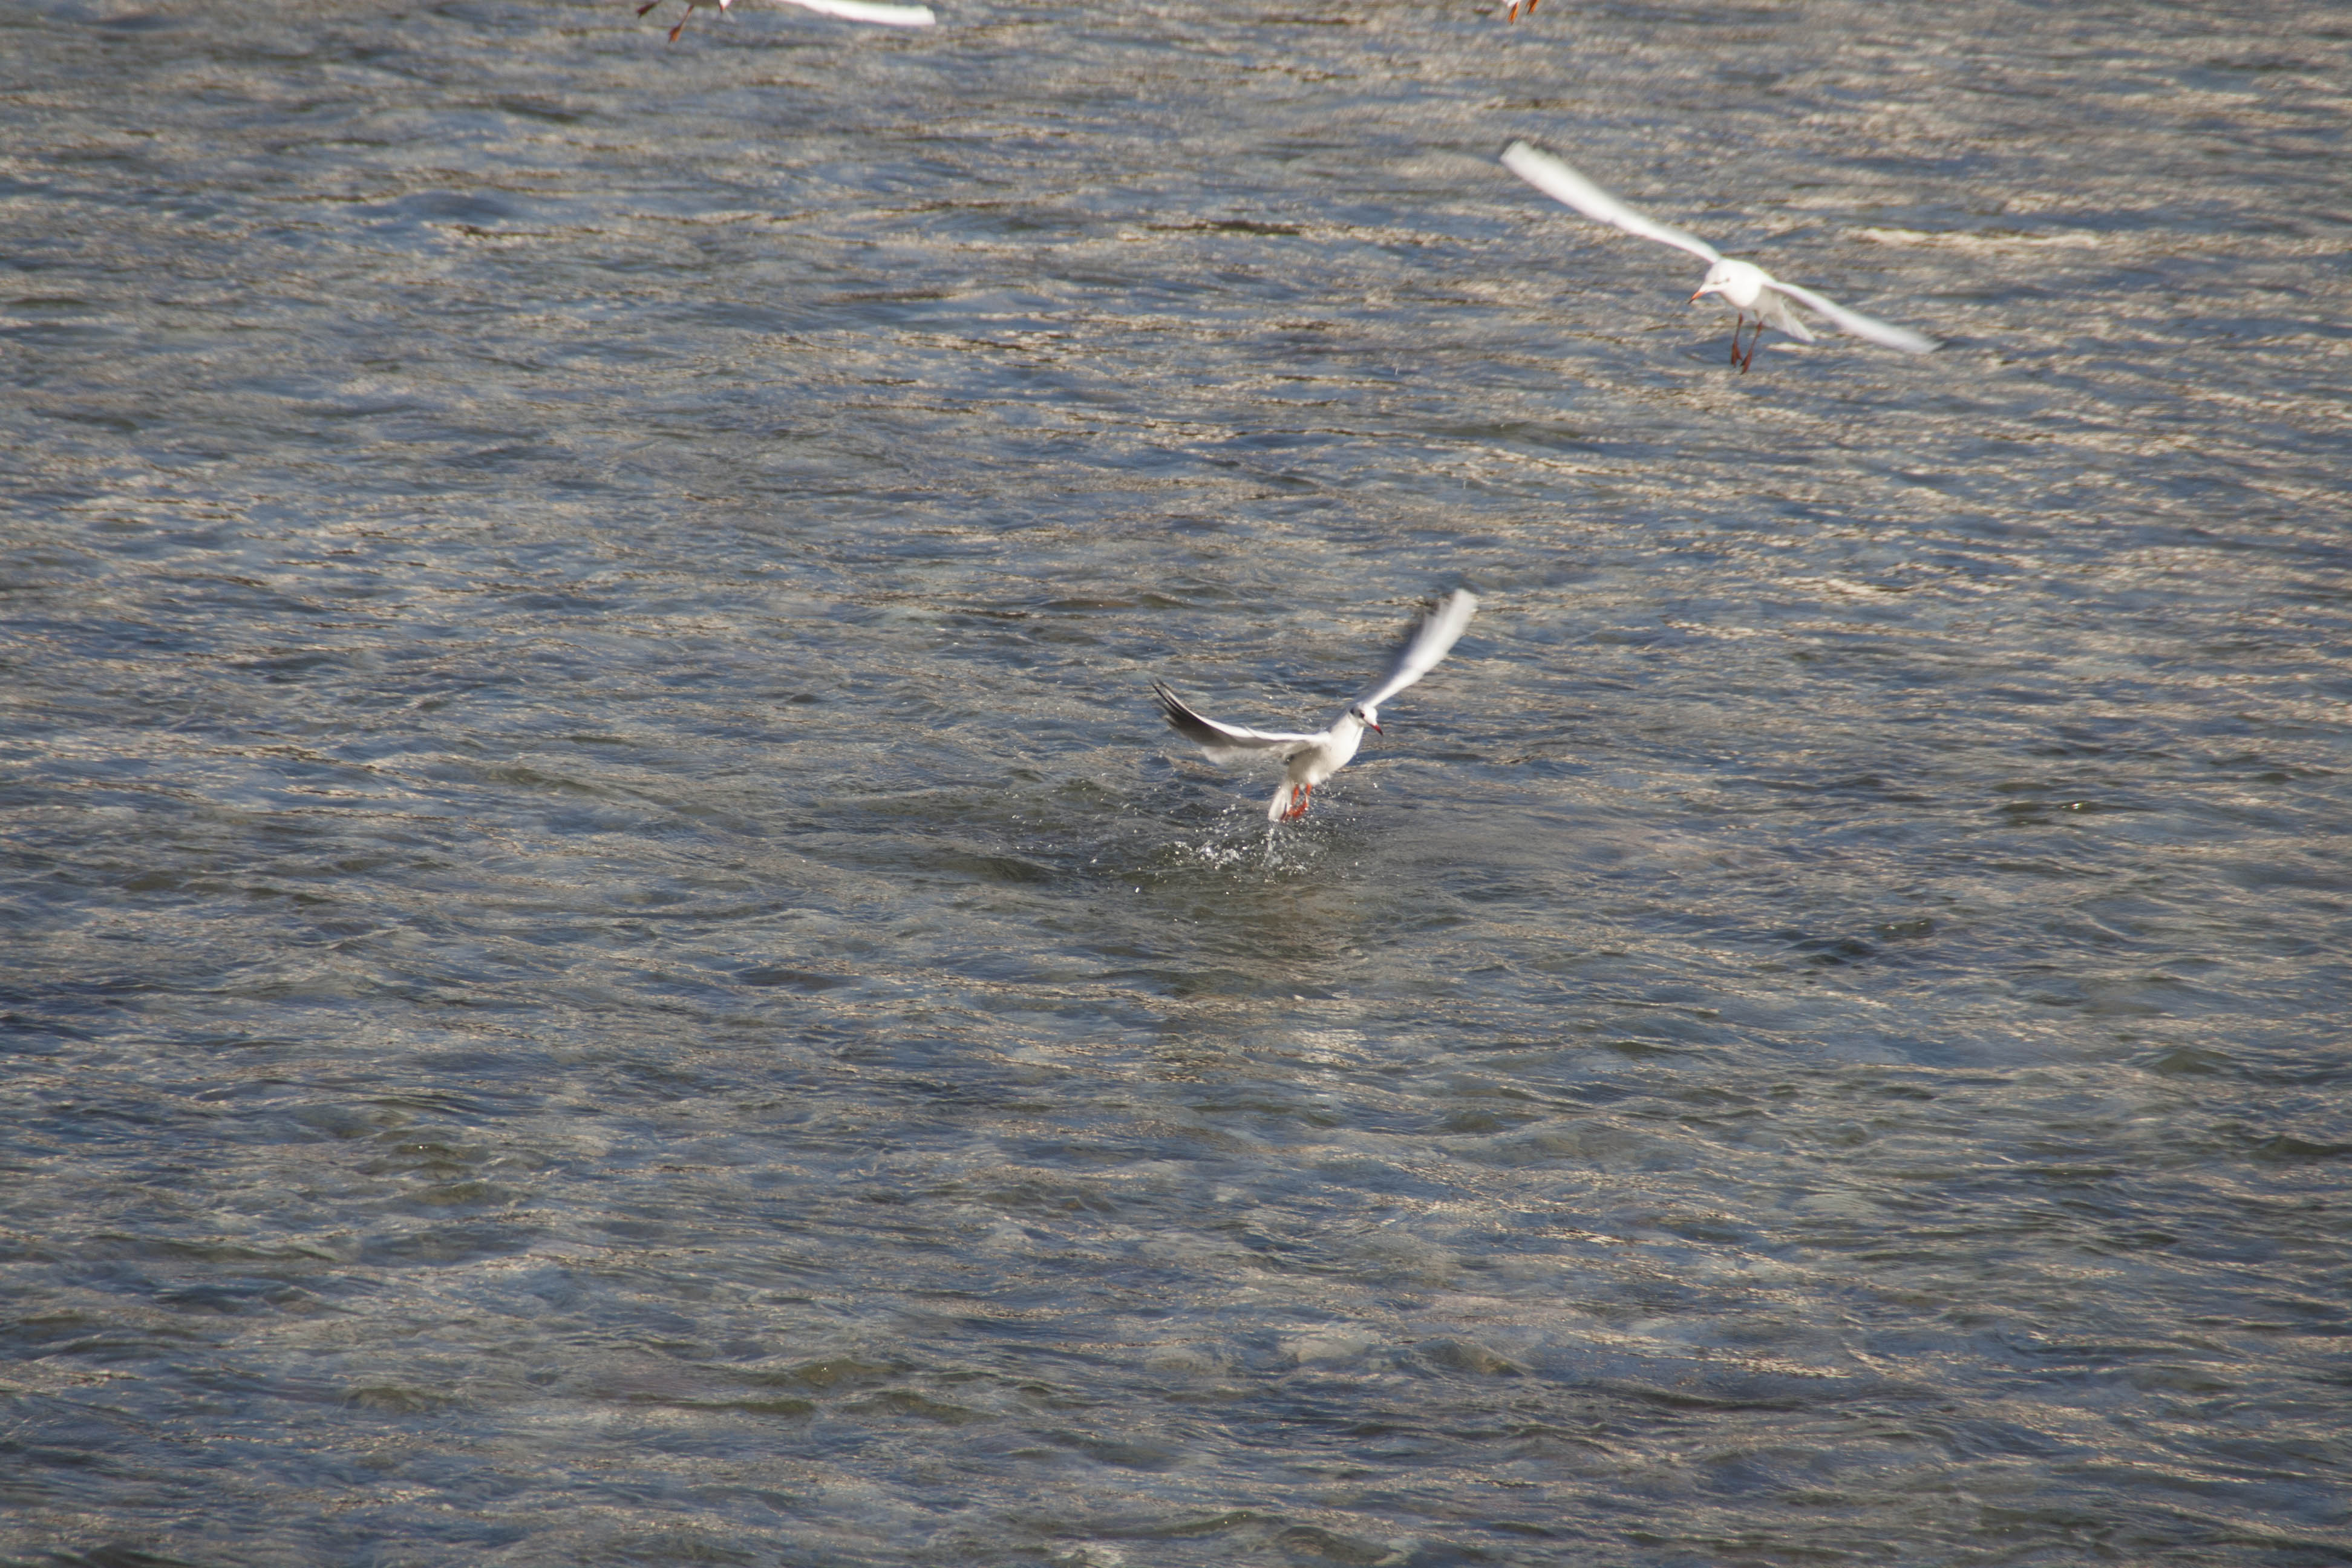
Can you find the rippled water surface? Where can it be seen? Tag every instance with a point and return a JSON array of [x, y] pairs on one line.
[[607, 962]]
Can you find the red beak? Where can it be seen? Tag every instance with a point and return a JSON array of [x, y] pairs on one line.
[[1378, 731]]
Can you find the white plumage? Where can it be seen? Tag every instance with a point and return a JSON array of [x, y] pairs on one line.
[[847, 10], [1308, 760], [1746, 286]]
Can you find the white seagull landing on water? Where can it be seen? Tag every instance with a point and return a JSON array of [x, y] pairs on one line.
[[1747, 288], [847, 10], [1311, 759]]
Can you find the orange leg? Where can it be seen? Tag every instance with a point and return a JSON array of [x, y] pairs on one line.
[[1299, 804], [1753, 339]]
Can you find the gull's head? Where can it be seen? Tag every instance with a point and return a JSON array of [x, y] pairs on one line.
[[1741, 282], [1368, 716]]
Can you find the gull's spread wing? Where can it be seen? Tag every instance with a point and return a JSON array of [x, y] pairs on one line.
[[1562, 184], [865, 11], [1430, 642], [1220, 740], [1855, 322]]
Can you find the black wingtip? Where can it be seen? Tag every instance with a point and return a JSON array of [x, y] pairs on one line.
[[1184, 722]]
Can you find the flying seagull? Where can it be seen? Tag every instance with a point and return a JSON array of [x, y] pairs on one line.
[[848, 10], [1308, 760], [1746, 286]]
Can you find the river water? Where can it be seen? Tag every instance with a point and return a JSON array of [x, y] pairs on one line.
[[607, 961]]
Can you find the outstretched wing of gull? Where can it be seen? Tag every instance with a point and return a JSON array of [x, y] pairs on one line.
[[1429, 642], [1564, 185], [865, 11], [1221, 740], [1855, 322], [1308, 760]]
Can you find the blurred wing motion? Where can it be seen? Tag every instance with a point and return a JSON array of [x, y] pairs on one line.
[[1221, 740], [863, 10], [1564, 185], [1308, 760], [1430, 642], [1855, 322]]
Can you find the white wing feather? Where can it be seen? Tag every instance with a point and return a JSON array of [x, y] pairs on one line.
[[1437, 637], [1220, 740], [1564, 185], [1855, 322], [864, 11]]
